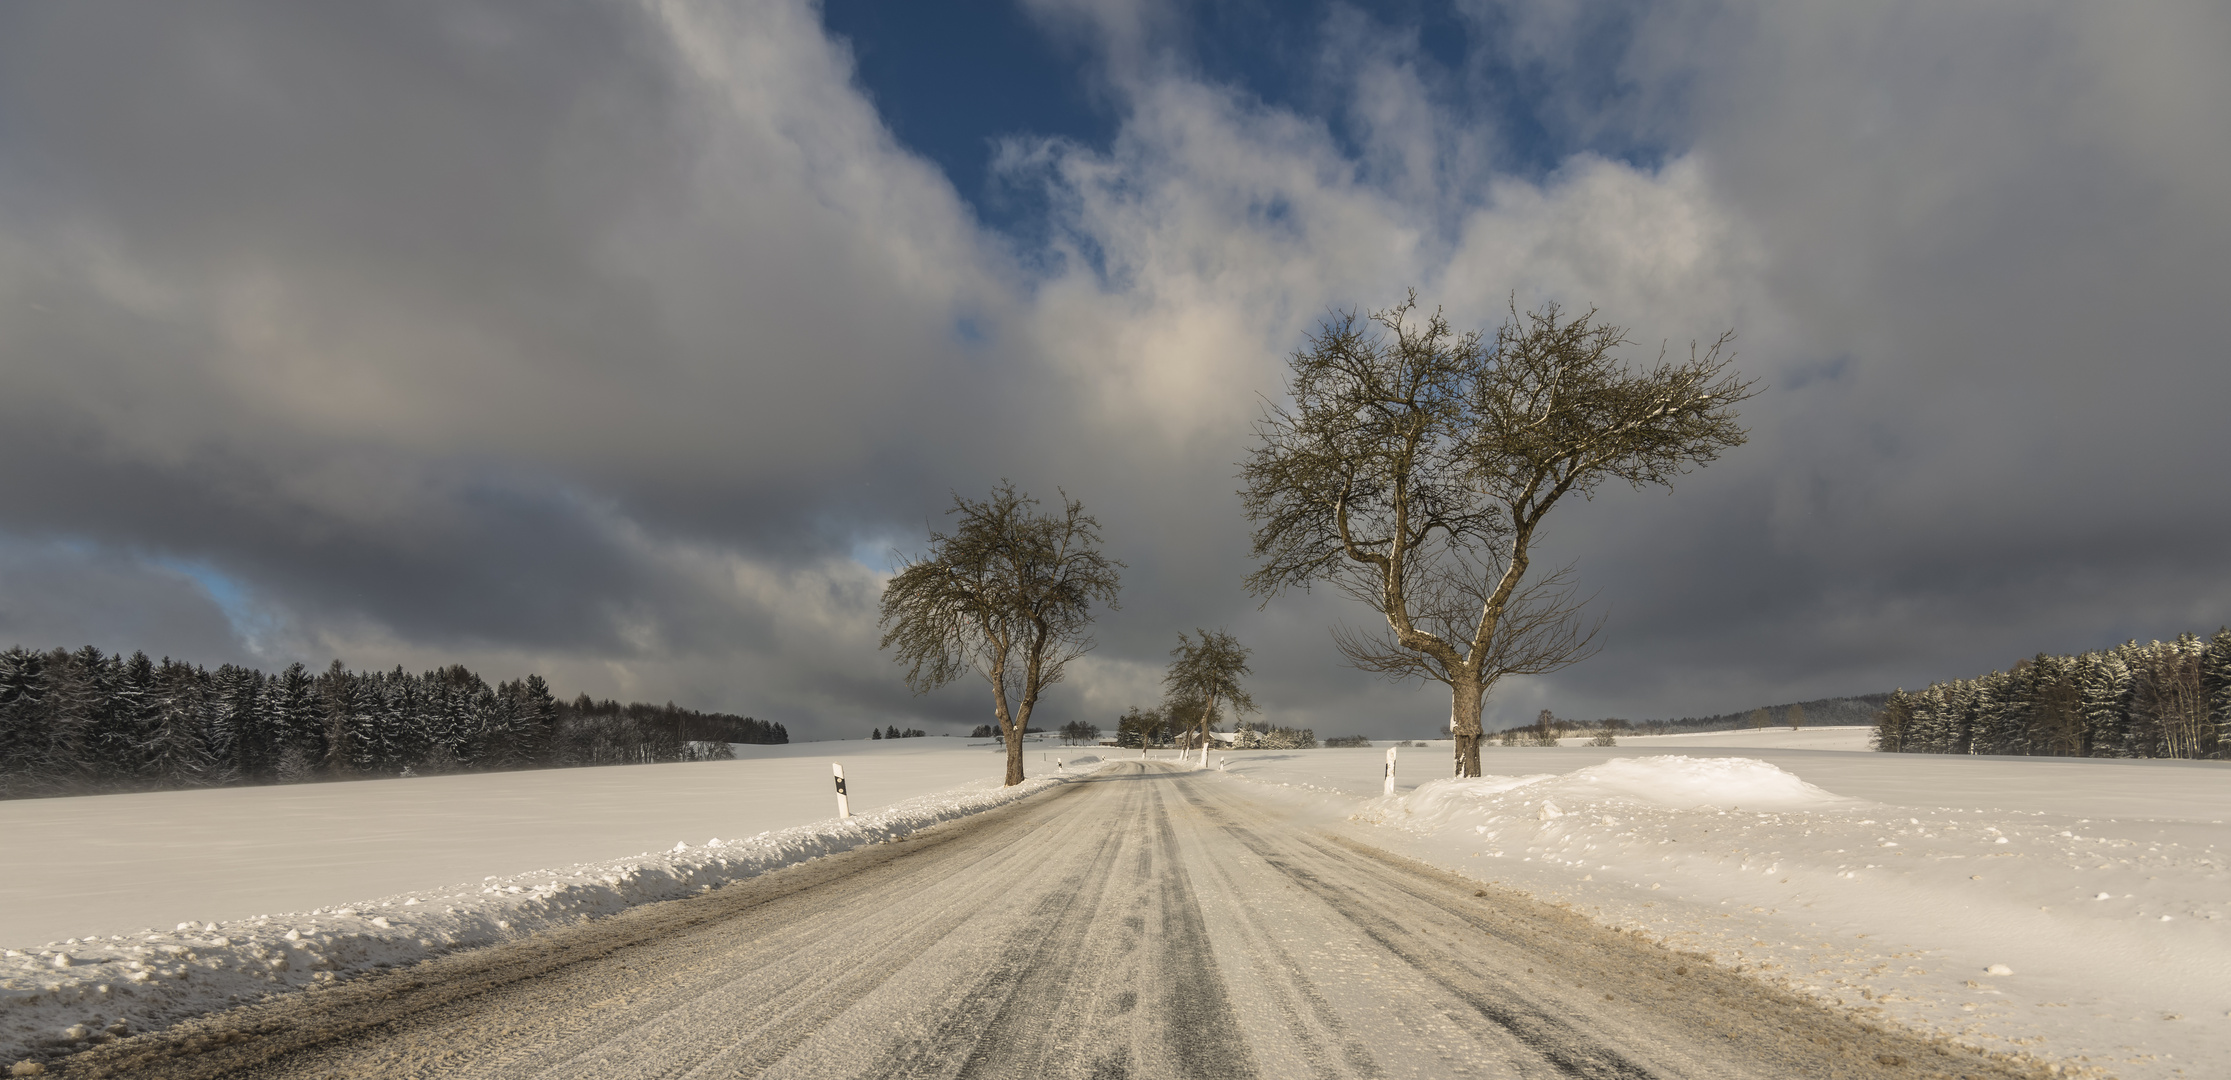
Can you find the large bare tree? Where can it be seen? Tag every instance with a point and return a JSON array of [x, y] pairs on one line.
[[1415, 463], [1008, 595], [1203, 677]]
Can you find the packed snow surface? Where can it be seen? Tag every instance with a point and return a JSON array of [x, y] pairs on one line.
[[233, 861], [2075, 910]]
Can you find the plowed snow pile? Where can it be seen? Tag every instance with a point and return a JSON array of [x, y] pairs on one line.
[[2023, 905], [67, 992]]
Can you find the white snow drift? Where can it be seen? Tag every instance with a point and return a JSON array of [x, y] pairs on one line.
[[2036, 906]]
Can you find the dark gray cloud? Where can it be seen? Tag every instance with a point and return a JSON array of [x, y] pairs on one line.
[[1985, 239], [622, 342], [67, 595]]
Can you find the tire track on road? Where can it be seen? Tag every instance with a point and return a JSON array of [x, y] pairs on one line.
[[1146, 922]]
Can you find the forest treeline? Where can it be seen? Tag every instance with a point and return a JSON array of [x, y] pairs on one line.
[[2157, 700], [1850, 711], [84, 721], [1853, 711]]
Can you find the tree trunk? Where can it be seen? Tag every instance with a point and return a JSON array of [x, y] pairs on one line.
[[1465, 699], [1011, 726], [1015, 733]]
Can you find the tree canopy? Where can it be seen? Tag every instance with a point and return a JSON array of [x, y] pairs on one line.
[[1007, 594], [1414, 464], [1204, 676]]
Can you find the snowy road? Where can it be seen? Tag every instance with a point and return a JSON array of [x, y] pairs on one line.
[[1149, 922]]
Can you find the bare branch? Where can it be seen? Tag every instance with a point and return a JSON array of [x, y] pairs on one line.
[[1009, 594], [1414, 465]]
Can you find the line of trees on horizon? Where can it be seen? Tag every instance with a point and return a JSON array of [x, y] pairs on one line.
[[85, 721], [1547, 728], [2157, 700]]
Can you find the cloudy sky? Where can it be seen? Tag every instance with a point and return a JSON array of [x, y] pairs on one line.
[[624, 342]]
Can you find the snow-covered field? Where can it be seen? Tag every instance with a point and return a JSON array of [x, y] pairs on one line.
[[2076, 910], [2079, 911], [289, 886]]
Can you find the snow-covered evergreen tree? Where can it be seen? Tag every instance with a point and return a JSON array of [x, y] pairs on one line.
[[341, 709], [2052, 708], [499, 729], [394, 736], [2107, 703], [1925, 732], [237, 735], [82, 699], [174, 740], [2216, 671], [1892, 722], [132, 713], [1985, 713], [291, 709], [535, 721], [2083, 674], [453, 696], [26, 725], [251, 744]]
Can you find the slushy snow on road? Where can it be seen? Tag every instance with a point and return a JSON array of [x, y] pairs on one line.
[[2078, 911]]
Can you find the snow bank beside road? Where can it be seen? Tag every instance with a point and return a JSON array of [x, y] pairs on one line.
[[1662, 781], [1981, 909], [71, 992], [70, 867]]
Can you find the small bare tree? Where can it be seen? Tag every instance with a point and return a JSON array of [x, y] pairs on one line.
[[1009, 595], [1415, 464], [2172, 697], [1204, 675]]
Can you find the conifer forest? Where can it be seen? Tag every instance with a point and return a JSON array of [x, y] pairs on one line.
[[82, 722], [2157, 700]]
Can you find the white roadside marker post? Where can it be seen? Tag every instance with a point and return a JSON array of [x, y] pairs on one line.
[[1390, 772], [844, 804]]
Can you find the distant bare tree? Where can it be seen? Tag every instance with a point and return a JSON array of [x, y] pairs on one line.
[[1794, 717], [2172, 698], [1758, 718], [1203, 677], [1415, 464], [1009, 595]]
